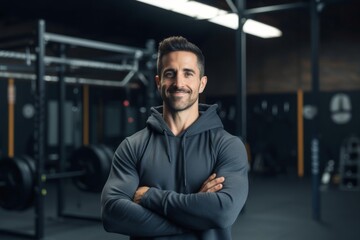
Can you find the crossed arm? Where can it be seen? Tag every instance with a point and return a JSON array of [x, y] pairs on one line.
[[132, 210], [128, 217], [212, 184]]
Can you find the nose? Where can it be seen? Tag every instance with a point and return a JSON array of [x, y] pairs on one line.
[[179, 80]]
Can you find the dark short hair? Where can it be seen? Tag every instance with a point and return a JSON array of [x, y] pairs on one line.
[[178, 43]]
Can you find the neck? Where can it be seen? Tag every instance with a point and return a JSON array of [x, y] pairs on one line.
[[179, 121]]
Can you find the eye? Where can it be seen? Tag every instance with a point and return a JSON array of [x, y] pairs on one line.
[[188, 73], [169, 74]]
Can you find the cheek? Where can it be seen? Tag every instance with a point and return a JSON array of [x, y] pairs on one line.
[[162, 89], [164, 85], [160, 86]]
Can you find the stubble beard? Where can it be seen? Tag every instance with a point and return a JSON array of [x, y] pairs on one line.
[[178, 103]]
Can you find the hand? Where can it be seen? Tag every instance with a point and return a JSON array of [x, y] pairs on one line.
[[140, 193], [212, 184]]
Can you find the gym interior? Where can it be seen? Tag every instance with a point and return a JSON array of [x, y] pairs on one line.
[[77, 77]]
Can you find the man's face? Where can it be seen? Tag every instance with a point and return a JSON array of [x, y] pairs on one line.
[[180, 82]]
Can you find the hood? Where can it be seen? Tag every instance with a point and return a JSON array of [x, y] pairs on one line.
[[209, 119]]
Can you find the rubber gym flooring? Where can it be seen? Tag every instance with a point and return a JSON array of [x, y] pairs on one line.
[[278, 208]]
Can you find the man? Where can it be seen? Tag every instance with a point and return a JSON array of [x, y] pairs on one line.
[[183, 176]]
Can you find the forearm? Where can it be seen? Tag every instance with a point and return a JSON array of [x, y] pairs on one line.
[[119, 213], [126, 217]]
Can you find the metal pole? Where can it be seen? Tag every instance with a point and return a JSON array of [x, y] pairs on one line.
[[69, 80], [62, 175], [72, 61], [151, 72], [91, 44], [241, 73], [39, 134], [315, 143], [61, 131]]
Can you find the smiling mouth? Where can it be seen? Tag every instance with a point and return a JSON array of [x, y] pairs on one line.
[[178, 91], [175, 92]]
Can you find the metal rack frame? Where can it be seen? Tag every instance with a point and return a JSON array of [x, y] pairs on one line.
[[41, 60]]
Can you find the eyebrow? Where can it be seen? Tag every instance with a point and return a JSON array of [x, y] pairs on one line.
[[188, 70], [184, 70]]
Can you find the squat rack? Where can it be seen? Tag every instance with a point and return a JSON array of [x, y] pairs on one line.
[[130, 64]]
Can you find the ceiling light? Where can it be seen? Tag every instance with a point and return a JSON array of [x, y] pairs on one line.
[[261, 29], [189, 8], [197, 10], [230, 20], [252, 27], [166, 4], [202, 11]]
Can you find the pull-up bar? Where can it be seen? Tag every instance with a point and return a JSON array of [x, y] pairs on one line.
[[72, 61], [77, 80], [51, 37]]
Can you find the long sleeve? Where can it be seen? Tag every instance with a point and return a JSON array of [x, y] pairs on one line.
[[201, 211], [119, 213]]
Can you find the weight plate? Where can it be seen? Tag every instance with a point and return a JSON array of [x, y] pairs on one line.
[[31, 163], [105, 152], [95, 162], [109, 153], [17, 191]]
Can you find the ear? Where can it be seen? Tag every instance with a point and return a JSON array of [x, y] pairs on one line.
[[157, 82], [203, 82]]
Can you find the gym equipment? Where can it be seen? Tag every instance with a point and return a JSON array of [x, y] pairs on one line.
[[89, 169], [17, 178], [95, 162], [350, 163]]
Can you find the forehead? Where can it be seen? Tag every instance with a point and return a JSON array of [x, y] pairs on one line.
[[179, 58]]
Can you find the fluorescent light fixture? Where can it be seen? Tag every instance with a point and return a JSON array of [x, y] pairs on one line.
[[230, 20], [166, 4], [189, 8], [202, 11], [252, 27], [260, 29], [198, 10]]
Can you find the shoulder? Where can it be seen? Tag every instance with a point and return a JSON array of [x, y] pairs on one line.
[[220, 134], [223, 140], [139, 136], [136, 143]]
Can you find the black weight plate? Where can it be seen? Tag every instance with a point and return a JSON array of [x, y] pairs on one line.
[[31, 163], [18, 188], [94, 161], [105, 164], [109, 153]]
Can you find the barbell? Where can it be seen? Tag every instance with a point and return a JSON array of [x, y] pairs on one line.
[[89, 167]]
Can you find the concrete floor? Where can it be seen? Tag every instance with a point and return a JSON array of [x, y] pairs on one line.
[[278, 208]]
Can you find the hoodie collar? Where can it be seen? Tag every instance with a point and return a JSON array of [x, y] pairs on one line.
[[208, 119]]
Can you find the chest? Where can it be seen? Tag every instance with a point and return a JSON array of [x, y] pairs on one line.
[[175, 162]]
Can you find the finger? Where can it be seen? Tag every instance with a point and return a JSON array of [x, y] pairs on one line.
[[214, 182], [139, 193], [213, 185], [212, 177], [215, 188]]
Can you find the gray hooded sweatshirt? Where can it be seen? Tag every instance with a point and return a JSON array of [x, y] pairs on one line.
[[175, 167]]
